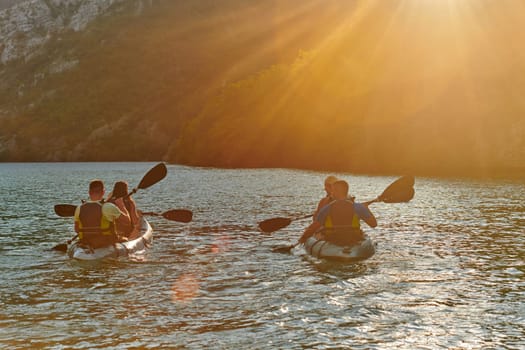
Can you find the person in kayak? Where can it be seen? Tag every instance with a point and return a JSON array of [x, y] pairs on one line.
[[95, 220], [339, 221], [328, 182], [120, 191]]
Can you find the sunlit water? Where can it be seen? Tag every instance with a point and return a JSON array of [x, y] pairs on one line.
[[448, 272]]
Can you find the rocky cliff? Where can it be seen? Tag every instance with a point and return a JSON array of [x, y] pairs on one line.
[[81, 76], [37, 43], [26, 26]]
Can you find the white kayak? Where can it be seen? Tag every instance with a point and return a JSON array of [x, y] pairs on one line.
[[327, 250], [121, 249]]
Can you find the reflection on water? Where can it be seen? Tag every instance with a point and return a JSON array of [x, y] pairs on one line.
[[448, 272]]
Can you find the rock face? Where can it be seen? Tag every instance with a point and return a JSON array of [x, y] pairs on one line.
[[25, 26], [8, 3]]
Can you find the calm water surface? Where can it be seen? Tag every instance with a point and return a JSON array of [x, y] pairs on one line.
[[448, 273]]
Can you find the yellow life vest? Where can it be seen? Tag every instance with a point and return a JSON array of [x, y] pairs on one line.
[[94, 229], [342, 222], [342, 225]]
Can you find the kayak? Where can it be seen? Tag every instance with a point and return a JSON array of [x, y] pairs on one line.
[[330, 251], [120, 249]]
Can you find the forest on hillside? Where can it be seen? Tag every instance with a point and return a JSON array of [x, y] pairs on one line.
[[140, 78], [366, 88]]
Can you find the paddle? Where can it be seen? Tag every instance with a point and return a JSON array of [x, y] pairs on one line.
[[399, 191], [62, 247], [65, 210], [180, 215], [154, 175], [271, 225]]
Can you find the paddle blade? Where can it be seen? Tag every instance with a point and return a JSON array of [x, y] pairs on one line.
[[274, 224], [284, 250], [62, 247], [180, 215], [401, 196], [65, 210], [157, 173], [399, 191]]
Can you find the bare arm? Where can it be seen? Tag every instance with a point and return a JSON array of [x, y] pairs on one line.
[[116, 212], [371, 221], [133, 215], [124, 218], [310, 230], [323, 202], [366, 215], [77, 222]]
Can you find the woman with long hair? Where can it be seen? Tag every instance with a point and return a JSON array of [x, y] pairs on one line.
[[120, 190]]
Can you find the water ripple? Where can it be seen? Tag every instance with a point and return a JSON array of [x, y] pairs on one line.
[[449, 270]]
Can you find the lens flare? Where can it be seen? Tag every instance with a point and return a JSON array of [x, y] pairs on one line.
[[185, 288]]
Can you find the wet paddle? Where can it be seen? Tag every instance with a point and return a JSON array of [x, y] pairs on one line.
[[274, 224], [180, 215], [154, 175], [285, 249], [65, 210], [399, 191], [62, 247]]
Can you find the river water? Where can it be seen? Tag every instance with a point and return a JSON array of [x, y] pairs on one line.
[[448, 272]]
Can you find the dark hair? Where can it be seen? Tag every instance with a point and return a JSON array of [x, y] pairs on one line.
[[96, 186], [120, 189]]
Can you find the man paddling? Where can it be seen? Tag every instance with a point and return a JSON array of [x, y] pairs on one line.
[[339, 221], [95, 220]]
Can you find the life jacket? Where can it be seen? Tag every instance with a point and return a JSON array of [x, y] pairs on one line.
[[342, 224], [94, 229]]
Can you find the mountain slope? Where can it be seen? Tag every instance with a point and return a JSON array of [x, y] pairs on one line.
[[138, 77], [401, 86]]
